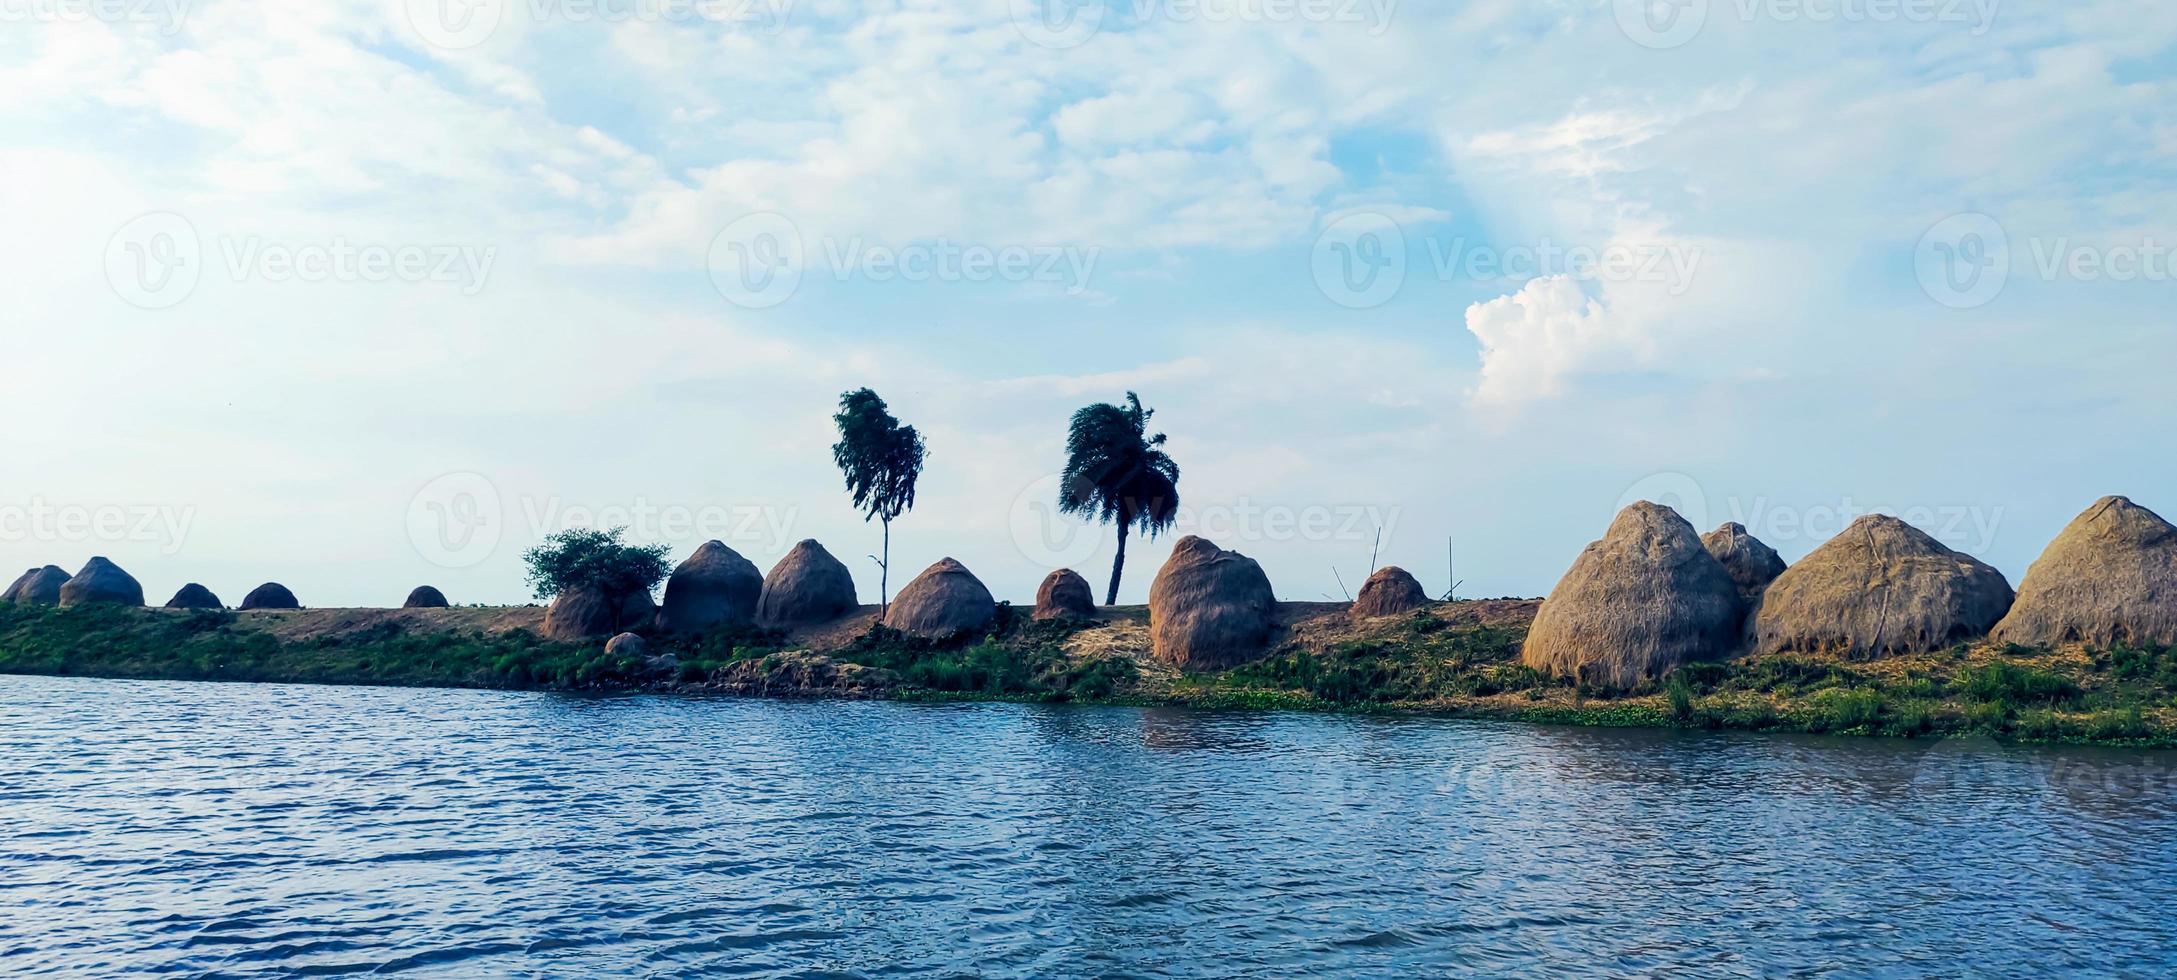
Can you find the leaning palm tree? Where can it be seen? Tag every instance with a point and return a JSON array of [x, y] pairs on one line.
[[1116, 472]]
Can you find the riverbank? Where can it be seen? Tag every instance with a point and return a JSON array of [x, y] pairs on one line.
[[1454, 659]]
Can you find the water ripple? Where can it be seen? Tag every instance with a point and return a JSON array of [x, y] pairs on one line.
[[254, 830]]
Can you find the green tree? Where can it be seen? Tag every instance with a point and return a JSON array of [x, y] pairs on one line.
[[881, 460], [586, 558], [1115, 471]]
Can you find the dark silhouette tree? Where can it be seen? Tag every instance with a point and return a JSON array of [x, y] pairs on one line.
[[1115, 471], [881, 460]]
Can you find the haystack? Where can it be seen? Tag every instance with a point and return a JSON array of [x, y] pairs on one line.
[[1636, 604], [806, 586], [271, 595], [2109, 579], [580, 613], [37, 587], [943, 602], [1064, 593], [715, 587], [1751, 564], [193, 596], [1389, 592], [1209, 608], [1881, 588], [425, 597], [101, 581]]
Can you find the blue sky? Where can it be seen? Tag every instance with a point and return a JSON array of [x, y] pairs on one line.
[[1779, 263]]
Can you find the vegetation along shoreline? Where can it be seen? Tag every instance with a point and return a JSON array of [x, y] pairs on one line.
[[1882, 630]]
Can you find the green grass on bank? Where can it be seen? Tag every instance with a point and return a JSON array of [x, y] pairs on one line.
[[108, 641], [1424, 663]]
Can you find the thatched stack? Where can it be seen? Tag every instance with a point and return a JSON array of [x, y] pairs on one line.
[[1881, 588], [1064, 593], [1389, 591], [715, 587], [2110, 578], [101, 581], [425, 597], [580, 613], [1636, 604], [37, 587], [193, 596], [1751, 564], [806, 586], [943, 602], [271, 595], [1209, 608]]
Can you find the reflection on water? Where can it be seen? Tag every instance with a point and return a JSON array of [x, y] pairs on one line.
[[270, 830]]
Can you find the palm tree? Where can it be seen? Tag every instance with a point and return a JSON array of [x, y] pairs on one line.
[[881, 460], [1116, 472]]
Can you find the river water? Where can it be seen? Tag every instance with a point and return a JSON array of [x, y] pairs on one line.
[[274, 830]]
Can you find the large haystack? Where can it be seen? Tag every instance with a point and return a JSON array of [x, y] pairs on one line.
[[2109, 579], [1209, 608], [943, 602], [1751, 564], [193, 596], [425, 597], [271, 595], [715, 587], [1634, 605], [102, 581], [1881, 588], [806, 586], [37, 587], [1064, 593], [1390, 591], [581, 613]]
